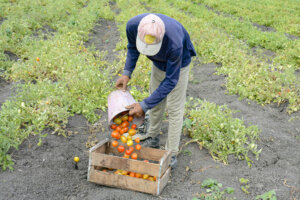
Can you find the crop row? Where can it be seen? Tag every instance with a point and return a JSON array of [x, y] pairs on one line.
[[282, 15], [61, 77]]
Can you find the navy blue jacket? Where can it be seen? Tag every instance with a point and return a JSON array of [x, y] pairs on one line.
[[175, 53]]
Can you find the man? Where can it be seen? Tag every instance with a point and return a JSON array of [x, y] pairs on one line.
[[167, 44]]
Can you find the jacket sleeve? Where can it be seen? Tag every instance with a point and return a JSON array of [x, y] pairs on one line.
[[168, 84], [132, 52]]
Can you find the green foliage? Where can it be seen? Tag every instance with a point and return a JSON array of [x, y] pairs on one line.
[[244, 185], [270, 195], [214, 192], [216, 130]]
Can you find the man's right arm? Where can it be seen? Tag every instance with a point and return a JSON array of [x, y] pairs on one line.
[[132, 52]]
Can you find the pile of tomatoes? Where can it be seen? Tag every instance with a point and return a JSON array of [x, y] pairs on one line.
[[121, 126]]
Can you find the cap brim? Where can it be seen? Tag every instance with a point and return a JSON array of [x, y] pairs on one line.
[[147, 49]]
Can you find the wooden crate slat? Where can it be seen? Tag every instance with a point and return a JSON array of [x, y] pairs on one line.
[[125, 182], [165, 163], [115, 162]]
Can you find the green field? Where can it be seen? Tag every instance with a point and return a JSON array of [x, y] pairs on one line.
[[57, 75]]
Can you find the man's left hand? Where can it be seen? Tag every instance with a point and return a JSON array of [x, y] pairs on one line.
[[136, 110]]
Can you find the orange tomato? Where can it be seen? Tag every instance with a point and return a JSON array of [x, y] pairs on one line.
[[131, 149], [113, 126], [124, 118], [147, 161], [132, 132], [125, 124], [122, 132], [38, 59], [115, 134], [132, 174], [121, 148], [134, 156], [127, 152], [118, 128], [114, 143], [151, 178], [133, 126], [125, 129], [154, 178], [138, 147], [137, 175], [104, 170], [137, 140], [130, 118]]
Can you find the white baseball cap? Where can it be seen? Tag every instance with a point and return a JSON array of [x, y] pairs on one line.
[[151, 31]]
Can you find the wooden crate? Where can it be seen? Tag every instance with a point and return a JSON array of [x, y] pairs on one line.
[[101, 156]]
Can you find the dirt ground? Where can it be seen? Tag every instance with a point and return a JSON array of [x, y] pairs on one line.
[[47, 172]]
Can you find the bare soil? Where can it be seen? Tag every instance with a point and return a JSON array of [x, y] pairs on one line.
[[47, 172]]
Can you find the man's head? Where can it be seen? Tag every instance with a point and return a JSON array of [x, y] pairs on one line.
[[151, 31]]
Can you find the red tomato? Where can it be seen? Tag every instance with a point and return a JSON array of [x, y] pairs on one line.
[[115, 134], [125, 129], [113, 126], [118, 128], [131, 149], [133, 126], [137, 140], [121, 148], [125, 124], [130, 118], [122, 132], [127, 152]]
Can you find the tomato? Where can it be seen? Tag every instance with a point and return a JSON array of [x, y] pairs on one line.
[[125, 129], [124, 118], [117, 120], [124, 172], [126, 156], [145, 176], [131, 149], [114, 143], [129, 143], [76, 159], [151, 178], [154, 178], [137, 175], [123, 139], [147, 161], [121, 148], [132, 174], [138, 147], [130, 118], [134, 156], [104, 170], [38, 59], [122, 132], [137, 140], [125, 124], [129, 137], [127, 152], [118, 136], [133, 126], [118, 128], [115, 134], [113, 126], [132, 132], [118, 172]]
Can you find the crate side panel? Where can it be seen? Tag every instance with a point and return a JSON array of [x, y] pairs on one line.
[[163, 181], [115, 162], [124, 182]]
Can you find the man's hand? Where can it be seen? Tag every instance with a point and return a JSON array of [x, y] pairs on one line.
[[122, 83], [135, 109]]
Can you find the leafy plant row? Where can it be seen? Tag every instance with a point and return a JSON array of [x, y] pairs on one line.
[[61, 77], [282, 15], [288, 51], [248, 76]]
